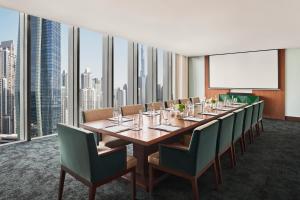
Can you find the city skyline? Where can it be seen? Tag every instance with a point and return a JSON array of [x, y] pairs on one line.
[[49, 73]]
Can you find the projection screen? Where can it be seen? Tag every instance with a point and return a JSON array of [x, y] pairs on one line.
[[250, 70]]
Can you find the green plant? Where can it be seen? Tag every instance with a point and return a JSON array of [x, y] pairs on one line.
[[180, 107]]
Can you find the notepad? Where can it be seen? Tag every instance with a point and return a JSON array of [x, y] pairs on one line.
[[124, 119], [150, 113], [166, 128], [224, 109], [117, 129], [195, 119], [210, 113], [234, 105]]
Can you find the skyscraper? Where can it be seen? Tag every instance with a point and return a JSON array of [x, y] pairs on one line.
[[142, 79], [7, 87], [45, 76], [64, 97]]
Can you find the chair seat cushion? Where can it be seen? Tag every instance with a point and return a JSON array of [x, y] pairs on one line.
[[131, 162], [154, 158], [102, 148], [113, 142]]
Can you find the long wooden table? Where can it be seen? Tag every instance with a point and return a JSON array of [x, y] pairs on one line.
[[146, 140]]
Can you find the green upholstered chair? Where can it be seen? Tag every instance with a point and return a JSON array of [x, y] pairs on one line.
[[260, 114], [247, 123], [238, 131], [188, 162], [170, 103], [101, 139], [154, 105], [80, 158], [224, 142], [184, 101], [195, 100], [254, 120]]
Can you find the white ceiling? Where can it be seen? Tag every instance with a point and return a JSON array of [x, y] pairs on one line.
[[188, 27]]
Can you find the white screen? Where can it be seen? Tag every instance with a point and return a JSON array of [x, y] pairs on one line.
[[253, 70]]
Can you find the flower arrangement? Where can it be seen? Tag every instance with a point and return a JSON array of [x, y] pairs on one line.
[[180, 107]]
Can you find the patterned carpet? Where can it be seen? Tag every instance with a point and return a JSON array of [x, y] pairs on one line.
[[270, 169]]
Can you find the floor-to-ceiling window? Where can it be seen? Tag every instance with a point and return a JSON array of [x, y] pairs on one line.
[[120, 72], [9, 73], [144, 81], [91, 70], [49, 75]]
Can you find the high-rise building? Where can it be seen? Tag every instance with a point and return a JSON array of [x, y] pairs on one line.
[[64, 97], [45, 76], [7, 87], [142, 79], [86, 81]]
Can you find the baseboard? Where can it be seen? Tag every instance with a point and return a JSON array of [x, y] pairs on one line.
[[295, 119]]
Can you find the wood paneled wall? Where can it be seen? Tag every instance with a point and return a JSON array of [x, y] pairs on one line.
[[274, 99]]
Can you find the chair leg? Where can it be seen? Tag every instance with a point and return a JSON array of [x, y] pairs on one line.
[[231, 155], [257, 129], [133, 183], [92, 192], [241, 145], [251, 135], [262, 125], [218, 162], [61, 183], [244, 141], [216, 175], [150, 179], [195, 188]]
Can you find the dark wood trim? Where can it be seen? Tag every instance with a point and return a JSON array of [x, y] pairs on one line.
[[290, 118]]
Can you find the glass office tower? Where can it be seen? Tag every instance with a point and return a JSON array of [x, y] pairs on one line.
[[45, 76]]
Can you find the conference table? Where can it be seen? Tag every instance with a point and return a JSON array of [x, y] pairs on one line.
[[146, 140]]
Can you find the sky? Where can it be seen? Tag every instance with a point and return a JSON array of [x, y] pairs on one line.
[[9, 22], [90, 48]]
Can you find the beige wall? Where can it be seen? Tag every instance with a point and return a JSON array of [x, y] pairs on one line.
[[181, 76]]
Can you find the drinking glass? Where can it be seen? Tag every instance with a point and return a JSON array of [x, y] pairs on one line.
[[136, 122], [120, 118], [116, 115], [166, 116]]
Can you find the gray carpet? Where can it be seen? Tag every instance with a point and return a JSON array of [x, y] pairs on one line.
[[270, 169]]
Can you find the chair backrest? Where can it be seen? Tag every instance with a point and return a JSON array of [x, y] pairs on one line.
[[261, 110], [132, 109], [247, 118], [225, 132], [170, 102], [238, 124], [97, 114], [254, 119], [184, 101], [77, 150], [203, 144], [154, 105], [195, 100]]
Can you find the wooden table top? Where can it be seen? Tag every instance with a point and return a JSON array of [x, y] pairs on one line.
[[149, 136]]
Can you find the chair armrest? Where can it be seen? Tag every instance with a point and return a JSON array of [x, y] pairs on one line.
[[177, 157]]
